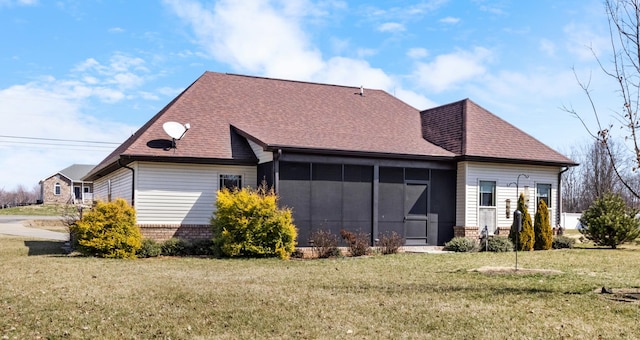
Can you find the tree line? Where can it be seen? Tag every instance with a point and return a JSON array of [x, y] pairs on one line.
[[19, 196]]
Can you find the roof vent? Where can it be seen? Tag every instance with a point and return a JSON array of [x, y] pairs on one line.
[[361, 91]]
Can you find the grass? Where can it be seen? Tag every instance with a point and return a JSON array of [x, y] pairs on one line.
[[40, 210], [46, 294]]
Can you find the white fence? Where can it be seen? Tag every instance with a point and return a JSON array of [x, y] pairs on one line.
[[569, 220]]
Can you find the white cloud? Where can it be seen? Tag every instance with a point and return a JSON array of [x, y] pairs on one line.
[[253, 36], [45, 110], [583, 41], [258, 37], [365, 52], [414, 99], [447, 71], [109, 81], [352, 72], [403, 13], [547, 47], [10, 3], [116, 30], [417, 53], [450, 20], [392, 27]]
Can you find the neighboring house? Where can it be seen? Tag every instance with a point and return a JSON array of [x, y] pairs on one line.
[[341, 157], [66, 186]]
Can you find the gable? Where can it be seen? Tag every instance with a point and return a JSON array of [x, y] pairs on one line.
[[474, 133]]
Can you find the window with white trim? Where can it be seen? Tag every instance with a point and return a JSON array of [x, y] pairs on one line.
[[230, 182], [543, 192], [487, 193], [57, 189]]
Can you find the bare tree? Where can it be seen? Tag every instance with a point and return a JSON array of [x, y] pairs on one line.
[[599, 175], [572, 191], [624, 68], [595, 176]]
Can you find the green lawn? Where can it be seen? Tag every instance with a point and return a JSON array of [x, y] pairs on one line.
[[40, 210], [49, 295]]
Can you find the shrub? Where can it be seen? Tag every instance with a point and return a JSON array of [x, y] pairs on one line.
[[497, 244], [525, 238], [542, 228], [460, 245], [108, 230], [174, 247], [563, 242], [610, 222], [358, 243], [149, 248], [200, 247], [249, 223], [297, 254], [325, 243], [389, 243]]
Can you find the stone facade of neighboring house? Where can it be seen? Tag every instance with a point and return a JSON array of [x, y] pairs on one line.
[[67, 187]]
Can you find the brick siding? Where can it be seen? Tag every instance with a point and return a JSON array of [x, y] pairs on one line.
[[163, 232]]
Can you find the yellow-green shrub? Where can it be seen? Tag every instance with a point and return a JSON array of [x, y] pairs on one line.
[[526, 237], [108, 230], [542, 228], [249, 223]]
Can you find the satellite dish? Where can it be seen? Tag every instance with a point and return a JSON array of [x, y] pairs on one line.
[[175, 130]]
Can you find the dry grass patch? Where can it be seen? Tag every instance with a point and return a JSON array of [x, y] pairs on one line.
[[513, 270], [395, 296]]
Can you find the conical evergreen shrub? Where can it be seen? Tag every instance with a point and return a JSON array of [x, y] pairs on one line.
[[526, 236], [542, 228]]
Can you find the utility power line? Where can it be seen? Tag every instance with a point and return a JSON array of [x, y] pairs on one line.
[[60, 140]]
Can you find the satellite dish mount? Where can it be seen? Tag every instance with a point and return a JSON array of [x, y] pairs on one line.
[[176, 131]]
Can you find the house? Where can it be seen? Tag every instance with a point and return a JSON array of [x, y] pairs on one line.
[[66, 186], [341, 157]]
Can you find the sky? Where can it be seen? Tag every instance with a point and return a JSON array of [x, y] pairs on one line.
[[77, 77]]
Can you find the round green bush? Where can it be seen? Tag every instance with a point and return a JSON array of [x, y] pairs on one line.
[[497, 244], [563, 242], [149, 248], [108, 230], [249, 223], [460, 245]]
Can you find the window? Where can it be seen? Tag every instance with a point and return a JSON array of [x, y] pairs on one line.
[[230, 181], [543, 192], [487, 194], [56, 189], [87, 190]]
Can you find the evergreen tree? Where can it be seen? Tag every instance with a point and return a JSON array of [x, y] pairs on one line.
[[542, 228], [610, 222], [525, 237]]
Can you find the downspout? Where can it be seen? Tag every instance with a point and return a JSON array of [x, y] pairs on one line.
[[133, 181], [559, 217]]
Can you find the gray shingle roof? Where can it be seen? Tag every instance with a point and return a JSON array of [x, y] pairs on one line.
[[472, 132], [284, 114], [75, 172]]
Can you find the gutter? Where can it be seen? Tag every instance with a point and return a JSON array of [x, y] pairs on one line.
[[559, 217], [133, 181]]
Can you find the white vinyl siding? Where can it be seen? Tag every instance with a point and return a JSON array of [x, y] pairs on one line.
[[503, 174], [120, 186], [171, 193], [263, 156]]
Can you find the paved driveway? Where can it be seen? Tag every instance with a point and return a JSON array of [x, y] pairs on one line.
[[14, 225]]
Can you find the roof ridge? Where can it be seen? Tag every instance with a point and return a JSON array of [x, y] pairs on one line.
[[296, 81]]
